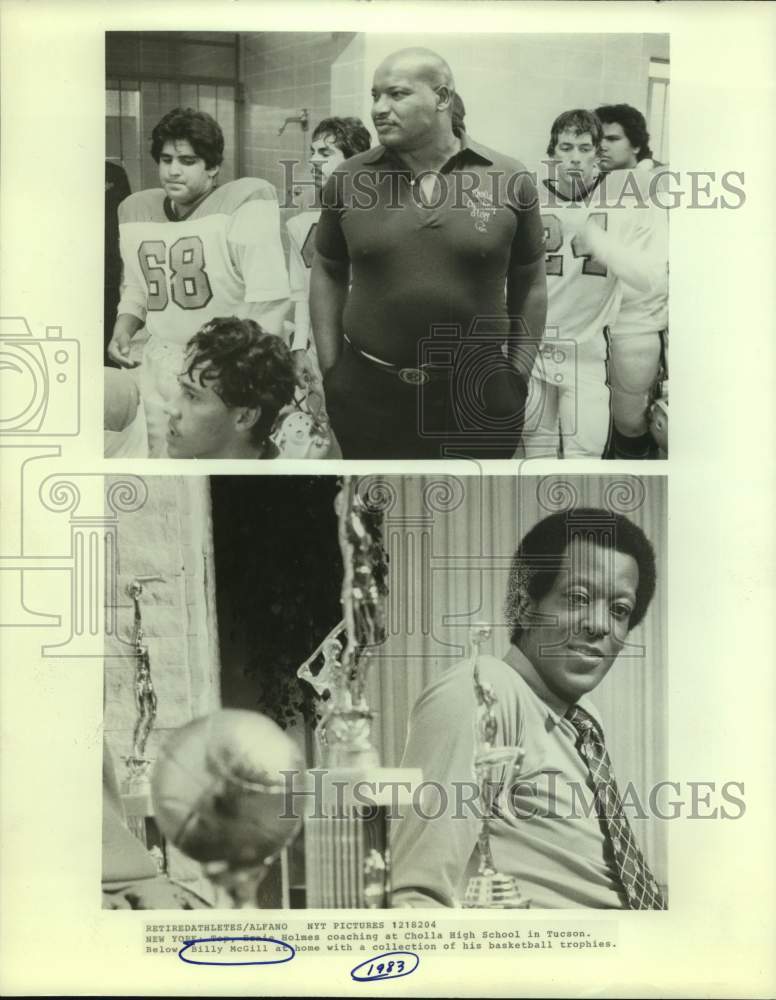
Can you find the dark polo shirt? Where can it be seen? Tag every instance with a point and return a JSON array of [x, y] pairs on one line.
[[416, 266]]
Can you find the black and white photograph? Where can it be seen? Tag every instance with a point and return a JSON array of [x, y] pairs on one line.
[[421, 691], [410, 697], [348, 244]]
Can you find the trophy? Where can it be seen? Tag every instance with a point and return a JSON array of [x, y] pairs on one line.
[[347, 862], [221, 795], [136, 785], [493, 766]]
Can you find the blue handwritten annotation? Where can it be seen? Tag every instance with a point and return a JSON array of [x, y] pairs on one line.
[[223, 951], [390, 965]]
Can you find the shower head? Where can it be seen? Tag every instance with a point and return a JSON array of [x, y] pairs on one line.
[[302, 119]]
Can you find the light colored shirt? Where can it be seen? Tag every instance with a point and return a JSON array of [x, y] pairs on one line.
[[225, 258], [301, 250], [646, 311], [545, 832]]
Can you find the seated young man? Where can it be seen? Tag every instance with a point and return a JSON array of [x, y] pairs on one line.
[[579, 582], [235, 381]]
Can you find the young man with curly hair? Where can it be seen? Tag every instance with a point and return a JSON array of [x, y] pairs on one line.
[[235, 381], [193, 249]]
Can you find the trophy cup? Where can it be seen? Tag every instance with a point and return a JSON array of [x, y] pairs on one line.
[[347, 863], [493, 766]]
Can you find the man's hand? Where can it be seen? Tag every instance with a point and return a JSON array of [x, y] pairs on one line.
[[153, 894], [123, 332], [578, 222], [118, 350], [303, 365]]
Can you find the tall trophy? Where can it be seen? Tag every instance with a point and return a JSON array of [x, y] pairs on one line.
[[493, 766], [136, 783], [347, 861]]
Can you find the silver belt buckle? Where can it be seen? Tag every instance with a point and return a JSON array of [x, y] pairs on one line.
[[414, 376]]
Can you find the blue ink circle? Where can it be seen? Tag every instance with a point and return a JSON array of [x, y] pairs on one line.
[[385, 975], [261, 961]]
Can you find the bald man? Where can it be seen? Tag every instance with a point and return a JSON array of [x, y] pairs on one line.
[[427, 291]]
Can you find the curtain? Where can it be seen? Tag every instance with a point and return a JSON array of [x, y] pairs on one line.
[[450, 542]]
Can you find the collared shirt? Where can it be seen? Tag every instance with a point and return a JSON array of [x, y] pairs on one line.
[[545, 831], [419, 265]]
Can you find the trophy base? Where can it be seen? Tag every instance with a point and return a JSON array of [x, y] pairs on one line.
[[494, 892]]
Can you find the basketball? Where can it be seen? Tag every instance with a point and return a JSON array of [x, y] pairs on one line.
[[219, 791]]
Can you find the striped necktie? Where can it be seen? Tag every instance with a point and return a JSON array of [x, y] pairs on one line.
[[641, 889]]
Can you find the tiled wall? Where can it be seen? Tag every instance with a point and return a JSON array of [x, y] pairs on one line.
[[283, 72], [160, 58]]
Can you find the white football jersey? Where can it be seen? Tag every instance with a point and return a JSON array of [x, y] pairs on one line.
[[644, 312], [584, 294], [301, 239], [224, 255]]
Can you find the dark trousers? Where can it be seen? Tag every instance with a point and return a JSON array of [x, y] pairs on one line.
[[474, 410]]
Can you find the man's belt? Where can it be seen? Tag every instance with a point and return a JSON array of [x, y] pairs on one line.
[[411, 376]]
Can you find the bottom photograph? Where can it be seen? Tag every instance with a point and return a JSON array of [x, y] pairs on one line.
[[371, 692]]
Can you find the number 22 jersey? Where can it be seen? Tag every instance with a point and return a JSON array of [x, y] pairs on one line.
[[181, 272]]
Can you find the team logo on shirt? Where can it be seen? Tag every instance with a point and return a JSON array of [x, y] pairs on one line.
[[480, 209]]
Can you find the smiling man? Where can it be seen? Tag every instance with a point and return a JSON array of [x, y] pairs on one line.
[[192, 250], [235, 380], [579, 582], [418, 239]]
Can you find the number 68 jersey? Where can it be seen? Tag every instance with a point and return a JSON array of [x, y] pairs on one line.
[[181, 272]]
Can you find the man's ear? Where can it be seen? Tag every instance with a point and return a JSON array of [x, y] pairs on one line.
[[523, 609], [444, 97], [245, 417]]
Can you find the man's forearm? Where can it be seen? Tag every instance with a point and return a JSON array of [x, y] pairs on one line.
[[269, 315], [643, 270], [527, 306], [127, 325], [328, 292], [301, 337]]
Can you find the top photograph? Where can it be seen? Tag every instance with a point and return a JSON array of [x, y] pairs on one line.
[[344, 245]]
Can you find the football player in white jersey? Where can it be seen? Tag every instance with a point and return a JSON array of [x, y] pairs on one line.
[[589, 256], [333, 141], [638, 334], [193, 250]]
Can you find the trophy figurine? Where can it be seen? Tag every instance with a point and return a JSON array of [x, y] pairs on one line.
[[489, 888], [136, 786], [347, 862]]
